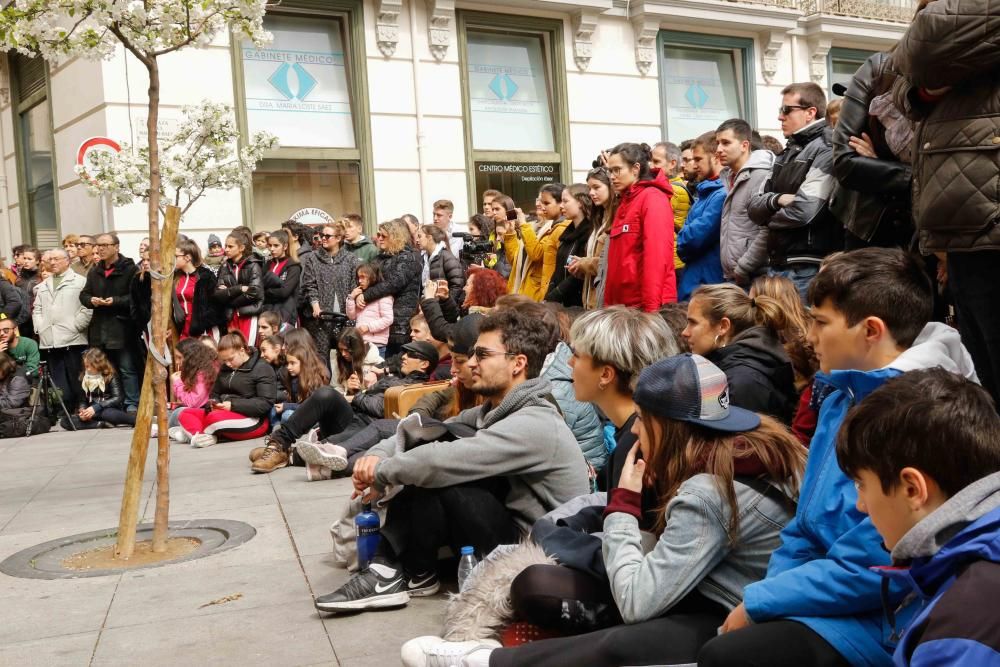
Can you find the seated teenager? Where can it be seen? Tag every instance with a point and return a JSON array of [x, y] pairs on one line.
[[22, 350], [240, 402], [358, 363], [338, 453], [938, 513], [198, 366], [334, 413], [482, 490], [741, 336], [821, 604], [102, 403], [306, 374], [420, 331], [713, 470]]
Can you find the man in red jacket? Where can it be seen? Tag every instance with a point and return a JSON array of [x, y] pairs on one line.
[[641, 247]]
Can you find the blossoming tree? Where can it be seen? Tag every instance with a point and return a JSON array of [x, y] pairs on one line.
[[58, 30]]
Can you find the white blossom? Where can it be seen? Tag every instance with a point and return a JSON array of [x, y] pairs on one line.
[[201, 155]]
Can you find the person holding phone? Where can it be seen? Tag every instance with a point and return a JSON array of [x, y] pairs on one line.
[[541, 245]]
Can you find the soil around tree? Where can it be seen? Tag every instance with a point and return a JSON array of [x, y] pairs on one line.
[[103, 558]]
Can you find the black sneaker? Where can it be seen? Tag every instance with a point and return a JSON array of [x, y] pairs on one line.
[[381, 585], [423, 585]]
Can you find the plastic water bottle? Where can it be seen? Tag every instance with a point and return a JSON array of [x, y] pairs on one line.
[[366, 526], [465, 566]]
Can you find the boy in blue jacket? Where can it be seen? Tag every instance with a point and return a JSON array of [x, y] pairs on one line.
[[698, 243], [940, 514], [820, 604]]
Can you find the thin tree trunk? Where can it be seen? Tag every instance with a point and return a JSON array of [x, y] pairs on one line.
[[156, 374]]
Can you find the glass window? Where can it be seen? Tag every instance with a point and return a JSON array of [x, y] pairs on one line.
[[519, 181], [702, 88], [36, 140], [296, 87], [316, 189], [509, 87]]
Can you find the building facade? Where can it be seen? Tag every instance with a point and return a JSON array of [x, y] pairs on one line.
[[383, 106]]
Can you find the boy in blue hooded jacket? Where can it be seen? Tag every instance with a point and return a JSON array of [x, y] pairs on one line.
[[820, 603], [940, 515]]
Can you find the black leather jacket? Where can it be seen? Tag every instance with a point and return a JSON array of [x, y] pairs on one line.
[[873, 191], [233, 297], [112, 397]]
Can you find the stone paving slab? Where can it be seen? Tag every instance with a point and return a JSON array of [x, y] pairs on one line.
[[61, 484]]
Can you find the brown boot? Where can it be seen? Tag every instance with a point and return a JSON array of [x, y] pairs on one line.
[[272, 459], [256, 453]]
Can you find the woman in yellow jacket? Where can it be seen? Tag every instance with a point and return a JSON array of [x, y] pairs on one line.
[[533, 255]]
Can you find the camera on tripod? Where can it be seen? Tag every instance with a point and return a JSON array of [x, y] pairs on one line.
[[474, 248]]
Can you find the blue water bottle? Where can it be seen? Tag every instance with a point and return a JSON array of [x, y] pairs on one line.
[[366, 526]]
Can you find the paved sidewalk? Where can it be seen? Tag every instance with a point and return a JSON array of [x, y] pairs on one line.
[[63, 483]]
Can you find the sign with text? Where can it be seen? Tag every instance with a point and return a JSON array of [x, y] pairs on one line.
[[296, 86], [520, 181]]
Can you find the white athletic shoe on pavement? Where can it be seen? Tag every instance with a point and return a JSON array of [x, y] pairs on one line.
[[203, 440], [178, 434], [430, 651], [323, 454]]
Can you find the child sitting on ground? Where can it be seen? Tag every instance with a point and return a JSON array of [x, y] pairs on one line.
[[305, 374], [103, 402], [197, 365], [939, 512]]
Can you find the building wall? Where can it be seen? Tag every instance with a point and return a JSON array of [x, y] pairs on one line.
[[415, 100]]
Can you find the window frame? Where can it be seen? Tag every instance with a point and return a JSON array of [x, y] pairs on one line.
[[842, 54], [29, 232], [350, 14], [746, 71], [553, 50]]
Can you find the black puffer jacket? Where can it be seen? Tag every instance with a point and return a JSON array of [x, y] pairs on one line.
[[251, 389], [952, 48], [759, 372], [113, 396], [233, 276], [805, 230], [565, 288], [371, 403], [328, 280], [205, 312], [111, 327], [10, 302], [445, 266], [401, 279], [281, 289], [874, 193]]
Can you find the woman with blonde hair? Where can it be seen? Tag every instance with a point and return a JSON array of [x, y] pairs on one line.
[[401, 267], [742, 336]]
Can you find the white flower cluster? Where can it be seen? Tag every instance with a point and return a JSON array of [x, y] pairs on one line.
[[62, 29], [201, 155]]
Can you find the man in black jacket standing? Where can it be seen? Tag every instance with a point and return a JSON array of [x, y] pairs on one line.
[[108, 292], [795, 202]]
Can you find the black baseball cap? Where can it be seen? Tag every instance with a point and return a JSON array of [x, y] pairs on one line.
[[465, 333], [690, 388], [423, 350]]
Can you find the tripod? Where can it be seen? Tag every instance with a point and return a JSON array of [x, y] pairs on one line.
[[44, 386]]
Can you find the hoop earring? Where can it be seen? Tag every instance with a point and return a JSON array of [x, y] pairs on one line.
[[717, 342]]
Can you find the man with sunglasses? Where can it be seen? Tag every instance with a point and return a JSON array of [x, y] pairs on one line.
[[795, 202], [85, 256], [517, 461]]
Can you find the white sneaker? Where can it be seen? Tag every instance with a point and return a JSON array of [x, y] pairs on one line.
[[430, 651], [203, 440], [177, 434], [315, 473], [323, 454]]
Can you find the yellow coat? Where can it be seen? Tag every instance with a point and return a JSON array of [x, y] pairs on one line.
[[681, 203], [539, 259]]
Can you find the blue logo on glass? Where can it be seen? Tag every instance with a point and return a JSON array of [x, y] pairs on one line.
[[503, 87], [696, 96], [282, 81]]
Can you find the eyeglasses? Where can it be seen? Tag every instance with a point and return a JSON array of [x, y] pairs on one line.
[[84, 244], [484, 353], [786, 109], [105, 245], [379, 235], [615, 171], [6, 330]]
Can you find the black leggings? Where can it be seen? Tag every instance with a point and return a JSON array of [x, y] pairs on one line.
[[325, 408], [770, 644], [672, 639]]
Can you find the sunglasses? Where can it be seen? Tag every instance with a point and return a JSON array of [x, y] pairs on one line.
[[786, 109], [483, 353], [328, 236], [105, 245]]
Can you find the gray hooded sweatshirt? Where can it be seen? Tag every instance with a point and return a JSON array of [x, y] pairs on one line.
[[524, 439], [743, 243]]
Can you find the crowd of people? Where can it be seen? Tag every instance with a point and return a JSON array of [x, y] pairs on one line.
[[740, 396]]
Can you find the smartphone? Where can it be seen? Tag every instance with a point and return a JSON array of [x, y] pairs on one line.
[[511, 216]]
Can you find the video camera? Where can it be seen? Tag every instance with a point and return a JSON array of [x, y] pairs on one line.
[[474, 248]]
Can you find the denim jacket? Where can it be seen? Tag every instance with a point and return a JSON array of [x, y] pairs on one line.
[[693, 552]]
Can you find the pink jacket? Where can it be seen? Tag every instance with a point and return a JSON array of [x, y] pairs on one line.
[[195, 398], [376, 316]]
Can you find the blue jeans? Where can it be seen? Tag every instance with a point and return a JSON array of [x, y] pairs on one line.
[[131, 368], [275, 418], [800, 275]]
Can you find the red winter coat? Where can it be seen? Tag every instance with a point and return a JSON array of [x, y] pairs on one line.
[[641, 251]]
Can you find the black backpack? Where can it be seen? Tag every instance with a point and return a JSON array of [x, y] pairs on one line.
[[14, 422]]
